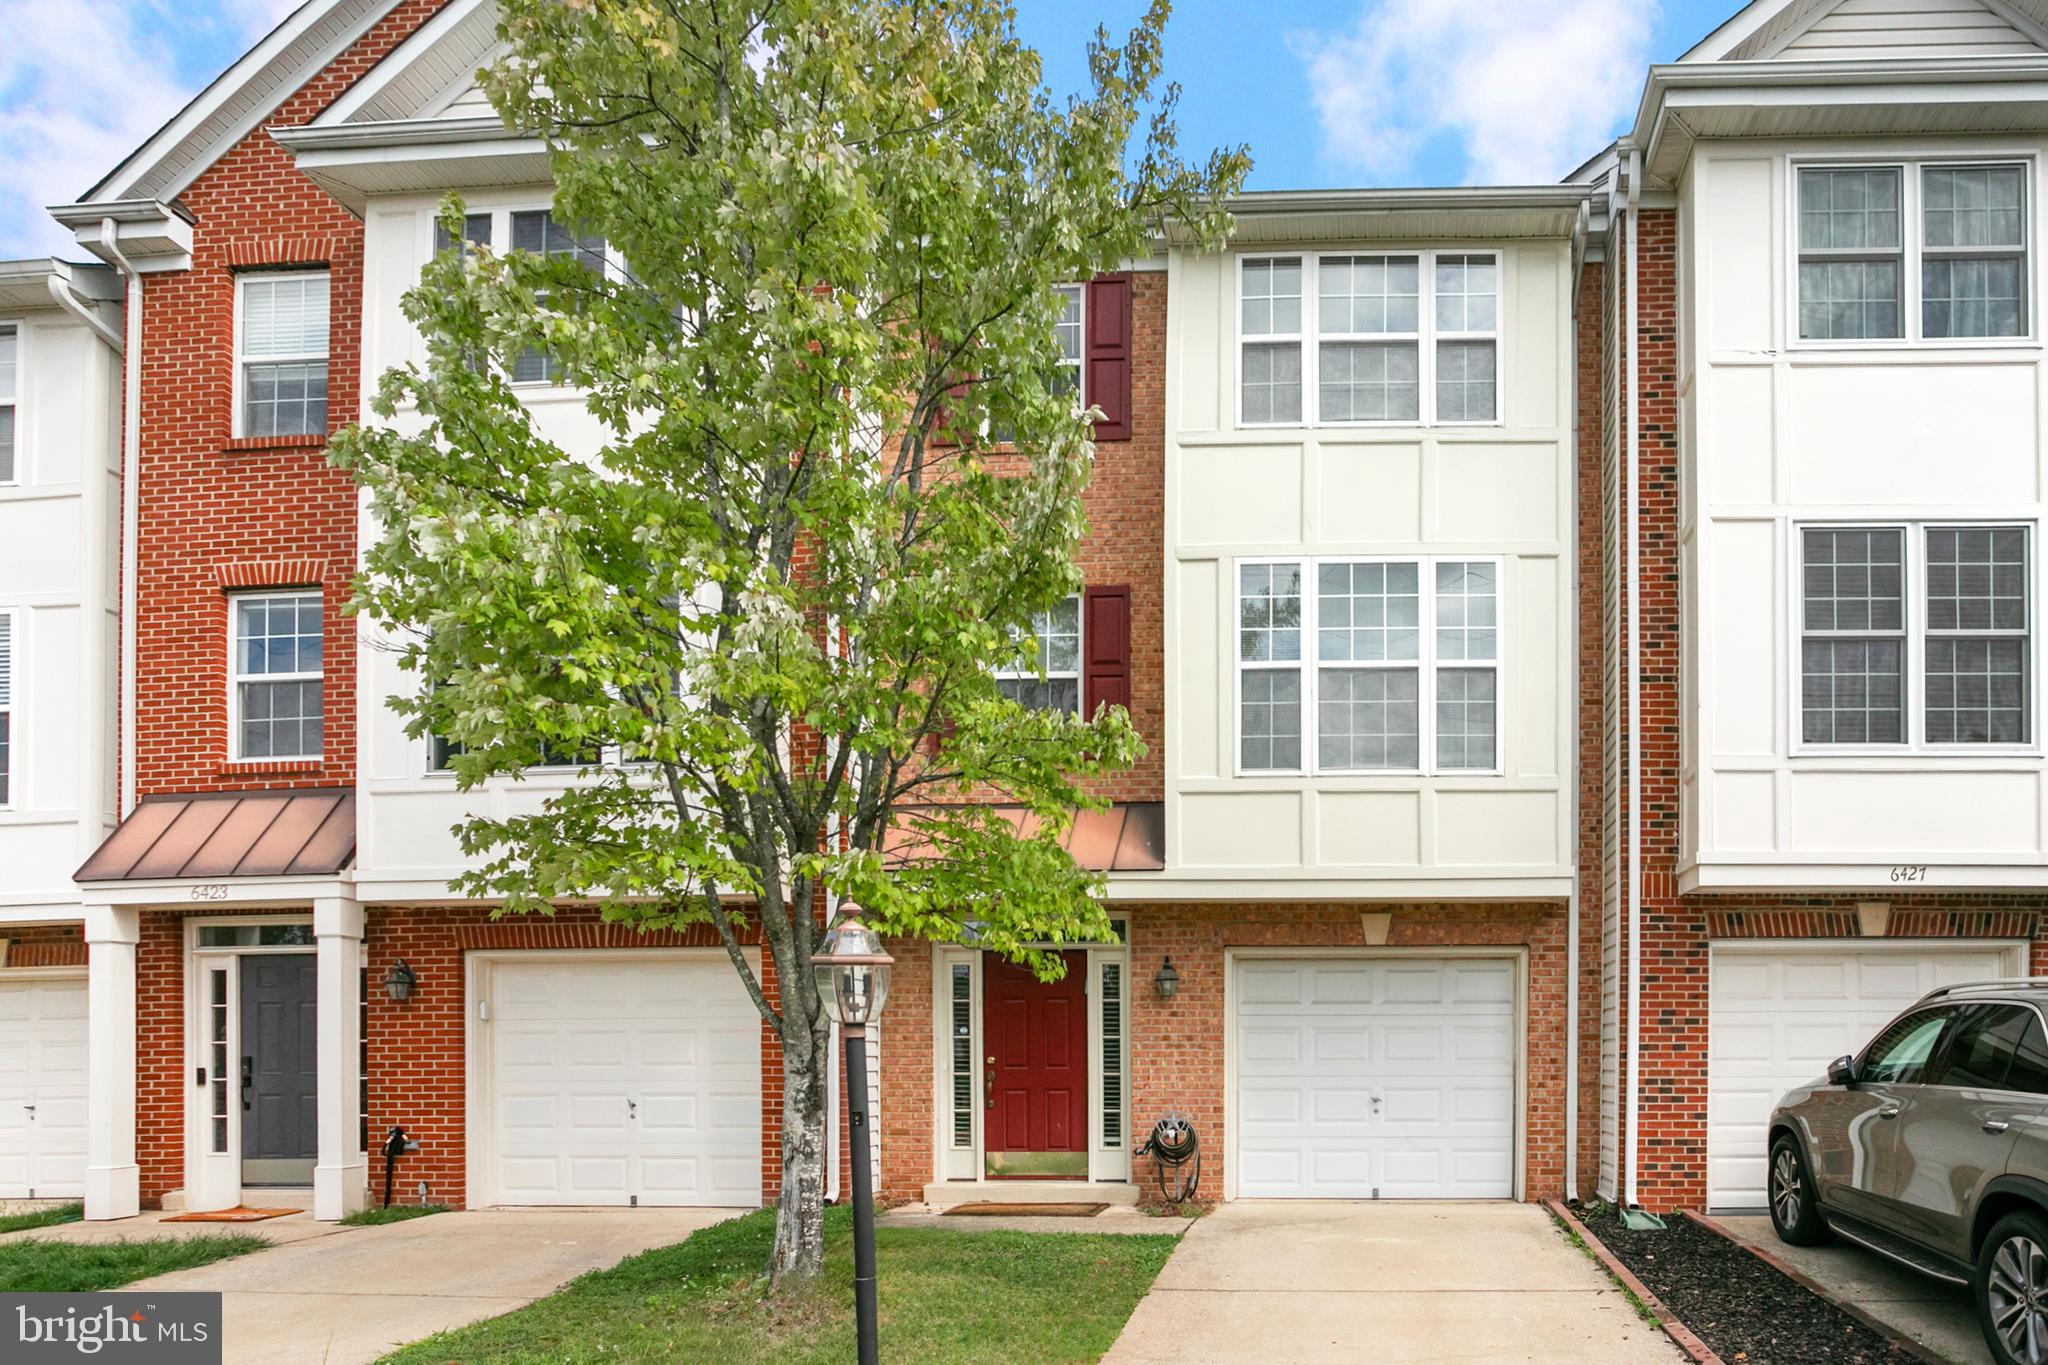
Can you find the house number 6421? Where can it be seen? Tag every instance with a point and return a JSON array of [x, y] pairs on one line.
[[1910, 873], [211, 891]]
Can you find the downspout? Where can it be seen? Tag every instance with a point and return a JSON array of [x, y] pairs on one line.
[[1632, 471], [131, 502], [1571, 927], [68, 301]]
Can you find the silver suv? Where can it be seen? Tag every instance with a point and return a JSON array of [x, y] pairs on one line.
[[1931, 1147]]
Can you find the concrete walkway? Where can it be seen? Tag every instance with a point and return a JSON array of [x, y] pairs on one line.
[[1938, 1316], [1312, 1282], [334, 1296]]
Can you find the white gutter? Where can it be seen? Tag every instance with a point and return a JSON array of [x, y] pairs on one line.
[[1632, 472], [60, 290], [131, 502], [1571, 926]]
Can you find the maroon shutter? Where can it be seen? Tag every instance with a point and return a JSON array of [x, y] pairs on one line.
[[1108, 354], [1106, 649]]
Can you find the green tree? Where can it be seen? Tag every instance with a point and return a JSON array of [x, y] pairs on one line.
[[764, 611]]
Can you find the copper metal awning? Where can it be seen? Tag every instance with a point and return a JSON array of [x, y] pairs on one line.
[[213, 835], [1128, 837]]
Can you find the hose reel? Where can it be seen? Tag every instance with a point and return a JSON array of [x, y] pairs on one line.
[[1177, 1155]]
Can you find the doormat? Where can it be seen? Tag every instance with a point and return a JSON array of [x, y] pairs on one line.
[[1025, 1210], [232, 1216]]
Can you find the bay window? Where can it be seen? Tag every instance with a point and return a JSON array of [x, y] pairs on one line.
[[1368, 665], [1915, 635], [281, 354], [1392, 337]]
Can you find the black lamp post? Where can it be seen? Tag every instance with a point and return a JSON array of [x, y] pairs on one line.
[[853, 981]]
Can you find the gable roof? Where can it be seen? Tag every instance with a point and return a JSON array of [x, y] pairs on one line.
[[1851, 30], [433, 68], [237, 101]]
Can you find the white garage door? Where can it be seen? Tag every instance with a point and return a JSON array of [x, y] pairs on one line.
[[1384, 1078], [613, 1079], [42, 1089], [1780, 1015]]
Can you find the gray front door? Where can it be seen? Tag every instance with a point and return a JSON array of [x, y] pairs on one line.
[[278, 1070]]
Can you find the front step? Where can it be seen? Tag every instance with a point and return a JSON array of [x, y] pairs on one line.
[[941, 1194]]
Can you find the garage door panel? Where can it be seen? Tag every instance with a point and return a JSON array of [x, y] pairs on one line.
[[1777, 1017], [1432, 1040], [42, 1088]]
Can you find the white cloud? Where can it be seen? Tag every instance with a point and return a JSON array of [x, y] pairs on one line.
[[1527, 90], [85, 82]]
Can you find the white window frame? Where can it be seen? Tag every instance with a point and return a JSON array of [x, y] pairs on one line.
[[1310, 337], [1912, 251], [1916, 743], [11, 619], [15, 478], [1077, 673], [236, 677], [242, 361], [1080, 362], [1426, 664]]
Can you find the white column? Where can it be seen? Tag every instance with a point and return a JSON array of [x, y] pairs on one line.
[[338, 1175], [112, 1179]]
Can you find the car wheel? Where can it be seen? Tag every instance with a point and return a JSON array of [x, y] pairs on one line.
[[2012, 1289], [1795, 1210]]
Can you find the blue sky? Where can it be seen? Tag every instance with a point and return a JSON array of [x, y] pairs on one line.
[[1326, 92]]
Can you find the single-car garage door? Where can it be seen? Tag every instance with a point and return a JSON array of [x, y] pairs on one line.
[[614, 1079], [1376, 1078], [42, 1088], [1780, 1014]]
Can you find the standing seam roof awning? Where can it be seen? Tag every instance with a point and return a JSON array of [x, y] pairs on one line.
[[213, 835], [1128, 837]]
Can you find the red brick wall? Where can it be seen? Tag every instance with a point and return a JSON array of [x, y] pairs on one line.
[[1589, 313], [45, 945], [216, 510], [1176, 1047]]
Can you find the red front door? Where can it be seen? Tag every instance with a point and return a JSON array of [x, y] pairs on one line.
[[1037, 1079]]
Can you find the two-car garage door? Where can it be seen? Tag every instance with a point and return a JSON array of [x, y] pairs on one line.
[[1375, 1078], [618, 1078], [1780, 1013]]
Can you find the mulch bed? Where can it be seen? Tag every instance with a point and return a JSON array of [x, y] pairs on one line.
[[1741, 1307]]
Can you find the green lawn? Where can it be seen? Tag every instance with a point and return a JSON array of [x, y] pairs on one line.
[[38, 1265], [945, 1296], [41, 1218], [397, 1213]]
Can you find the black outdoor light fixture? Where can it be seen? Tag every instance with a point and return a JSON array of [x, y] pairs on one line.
[[400, 980], [852, 974], [1166, 980]]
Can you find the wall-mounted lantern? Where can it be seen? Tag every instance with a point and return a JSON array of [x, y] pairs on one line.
[[400, 981], [1166, 980]]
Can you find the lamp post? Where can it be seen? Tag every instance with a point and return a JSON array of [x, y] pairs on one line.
[[853, 980]]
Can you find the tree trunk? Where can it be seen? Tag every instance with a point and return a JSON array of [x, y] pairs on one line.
[[800, 1213]]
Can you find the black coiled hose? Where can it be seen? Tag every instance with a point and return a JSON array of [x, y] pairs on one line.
[[1174, 1148]]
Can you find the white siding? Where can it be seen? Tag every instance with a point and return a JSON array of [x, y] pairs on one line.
[[1861, 30]]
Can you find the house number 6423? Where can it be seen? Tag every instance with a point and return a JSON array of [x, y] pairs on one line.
[[1910, 873], [211, 891]]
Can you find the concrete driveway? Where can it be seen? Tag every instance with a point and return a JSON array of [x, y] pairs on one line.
[[1936, 1315], [1313, 1282], [336, 1296]]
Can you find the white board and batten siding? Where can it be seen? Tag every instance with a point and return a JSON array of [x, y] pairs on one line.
[[1779, 1013], [1374, 1078]]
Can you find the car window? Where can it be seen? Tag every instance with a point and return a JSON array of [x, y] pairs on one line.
[[1980, 1052], [2030, 1061], [1898, 1054]]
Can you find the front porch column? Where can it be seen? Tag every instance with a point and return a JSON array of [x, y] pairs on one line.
[[338, 1174], [112, 1179]]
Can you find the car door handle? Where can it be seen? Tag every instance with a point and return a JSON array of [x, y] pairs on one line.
[[1996, 1125], [1890, 1111]]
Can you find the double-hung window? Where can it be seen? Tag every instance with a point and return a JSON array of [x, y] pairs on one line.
[[10, 372], [281, 354], [1916, 635], [1381, 337], [275, 683], [1369, 665], [1049, 677], [1916, 251], [537, 231], [1068, 332], [7, 672]]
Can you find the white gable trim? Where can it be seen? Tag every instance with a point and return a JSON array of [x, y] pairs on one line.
[[444, 27], [1735, 30], [173, 143], [1779, 45]]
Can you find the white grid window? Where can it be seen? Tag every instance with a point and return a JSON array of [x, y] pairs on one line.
[[1913, 251], [536, 230], [10, 380], [6, 708], [1049, 678], [281, 355], [1392, 338], [1916, 635], [1407, 657], [1069, 333], [276, 676]]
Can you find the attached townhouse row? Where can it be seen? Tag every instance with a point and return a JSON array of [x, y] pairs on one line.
[[1583, 635]]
